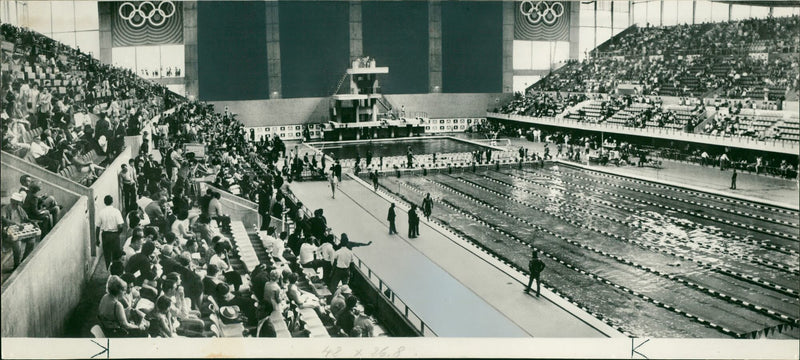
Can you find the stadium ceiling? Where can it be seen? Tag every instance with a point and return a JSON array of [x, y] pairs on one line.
[[760, 3]]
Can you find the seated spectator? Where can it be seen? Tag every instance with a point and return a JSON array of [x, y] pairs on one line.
[[363, 325], [37, 210], [111, 312], [142, 265], [162, 324], [338, 300], [14, 216], [346, 319], [299, 297]]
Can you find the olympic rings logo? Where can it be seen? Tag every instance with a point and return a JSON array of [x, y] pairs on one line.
[[146, 12], [541, 11]]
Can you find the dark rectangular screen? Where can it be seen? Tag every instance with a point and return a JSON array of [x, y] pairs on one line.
[[232, 50], [315, 46], [472, 46], [396, 35]]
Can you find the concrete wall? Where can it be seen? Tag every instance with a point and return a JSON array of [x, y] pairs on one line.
[[39, 296], [315, 110], [277, 111], [449, 105], [62, 189]]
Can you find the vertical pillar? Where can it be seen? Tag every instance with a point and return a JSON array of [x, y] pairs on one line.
[[630, 13], [594, 26], [730, 11], [694, 11], [771, 9], [274, 50], [612, 19], [104, 13], [574, 30], [190, 58], [508, 46], [661, 13], [434, 46], [356, 36]]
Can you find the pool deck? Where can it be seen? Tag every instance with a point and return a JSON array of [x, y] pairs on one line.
[[455, 288]]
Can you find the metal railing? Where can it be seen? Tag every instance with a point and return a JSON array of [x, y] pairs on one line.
[[411, 317]]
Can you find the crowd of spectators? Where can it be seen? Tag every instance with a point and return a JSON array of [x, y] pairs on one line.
[[690, 60], [63, 108], [169, 252], [178, 255], [540, 104]]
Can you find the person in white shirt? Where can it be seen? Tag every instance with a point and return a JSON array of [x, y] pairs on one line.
[[273, 245], [342, 259], [110, 223], [307, 251], [325, 254]]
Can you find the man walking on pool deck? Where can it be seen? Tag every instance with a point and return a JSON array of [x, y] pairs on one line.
[[374, 177], [733, 180], [427, 206], [535, 266], [391, 217]]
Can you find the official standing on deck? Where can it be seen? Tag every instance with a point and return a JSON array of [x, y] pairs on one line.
[[391, 217], [535, 266]]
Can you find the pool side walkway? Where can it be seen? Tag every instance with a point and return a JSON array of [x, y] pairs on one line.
[[457, 292]]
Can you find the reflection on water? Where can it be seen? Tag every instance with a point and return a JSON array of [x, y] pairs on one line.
[[657, 240], [396, 147]]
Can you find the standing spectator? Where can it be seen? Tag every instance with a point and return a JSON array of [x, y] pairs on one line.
[[535, 266], [733, 179], [392, 215], [342, 259], [127, 181], [111, 224]]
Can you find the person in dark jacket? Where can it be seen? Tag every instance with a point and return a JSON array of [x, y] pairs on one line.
[[337, 170], [413, 222], [427, 206], [392, 215], [535, 266]]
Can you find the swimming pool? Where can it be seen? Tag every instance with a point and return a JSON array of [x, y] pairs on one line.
[[396, 147], [650, 259]]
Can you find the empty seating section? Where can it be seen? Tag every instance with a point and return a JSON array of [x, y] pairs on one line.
[[753, 58], [790, 129]]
